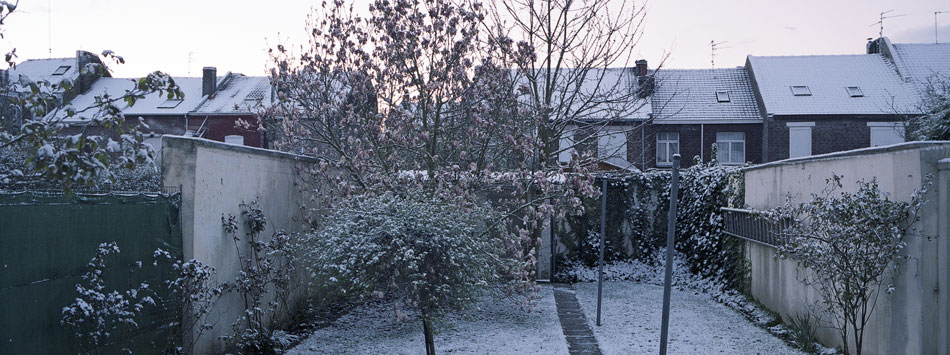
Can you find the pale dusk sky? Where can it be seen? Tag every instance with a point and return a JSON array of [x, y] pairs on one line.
[[234, 35]]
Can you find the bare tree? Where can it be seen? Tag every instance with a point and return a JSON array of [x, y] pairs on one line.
[[581, 80]]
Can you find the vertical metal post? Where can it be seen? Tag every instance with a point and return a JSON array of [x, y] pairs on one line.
[[603, 239], [670, 235], [553, 250]]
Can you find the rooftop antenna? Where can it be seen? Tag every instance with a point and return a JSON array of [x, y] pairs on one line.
[[881, 21], [713, 45], [936, 39], [49, 27], [189, 62]]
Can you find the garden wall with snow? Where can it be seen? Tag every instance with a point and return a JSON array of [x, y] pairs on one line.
[[215, 179], [915, 317]]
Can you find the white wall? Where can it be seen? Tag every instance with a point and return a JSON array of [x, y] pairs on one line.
[[912, 320], [215, 178]]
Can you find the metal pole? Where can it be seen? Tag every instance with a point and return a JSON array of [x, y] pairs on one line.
[[670, 235], [553, 250], [600, 264]]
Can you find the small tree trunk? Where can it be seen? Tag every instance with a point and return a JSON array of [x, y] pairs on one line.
[[427, 330]]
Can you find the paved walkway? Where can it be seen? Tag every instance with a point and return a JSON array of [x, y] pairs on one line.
[[580, 339]]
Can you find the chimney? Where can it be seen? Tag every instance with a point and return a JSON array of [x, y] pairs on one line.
[[209, 81], [641, 67]]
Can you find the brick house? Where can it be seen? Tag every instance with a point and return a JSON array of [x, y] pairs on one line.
[[828, 103], [692, 109], [211, 107]]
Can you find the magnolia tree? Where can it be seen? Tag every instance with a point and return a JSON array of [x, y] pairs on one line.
[[428, 255], [417, 97], [80, 157], [851, 245]]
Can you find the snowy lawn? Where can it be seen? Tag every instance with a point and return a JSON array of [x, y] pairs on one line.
[[632, 312], [491, 327]]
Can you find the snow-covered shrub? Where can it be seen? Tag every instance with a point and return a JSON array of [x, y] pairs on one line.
[[848, 242], [98, 313], [637, 213], [267, 278], [194, 292], [426, 254]]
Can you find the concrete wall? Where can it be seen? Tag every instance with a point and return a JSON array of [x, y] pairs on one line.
[[215, 178], [914, 318]]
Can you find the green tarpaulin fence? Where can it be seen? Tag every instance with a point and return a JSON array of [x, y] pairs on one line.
[[46, 241]]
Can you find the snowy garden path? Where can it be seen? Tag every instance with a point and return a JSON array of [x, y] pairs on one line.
[[631, 325], [630, 318], [580, 339]]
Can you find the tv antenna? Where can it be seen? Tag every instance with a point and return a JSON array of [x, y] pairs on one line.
[[713, 46], [884, 15], [936, 38], [49, 27], [189, 62]]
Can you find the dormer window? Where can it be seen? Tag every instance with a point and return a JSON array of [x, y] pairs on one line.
[[61, 70], [800, 90], [855, 91], [722, 96], [171, 103]]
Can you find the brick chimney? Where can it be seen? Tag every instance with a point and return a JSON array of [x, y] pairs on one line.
[[645, 82], [641, 67], [209, 81]]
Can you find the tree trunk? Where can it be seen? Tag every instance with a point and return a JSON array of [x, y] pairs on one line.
[[427, 330]]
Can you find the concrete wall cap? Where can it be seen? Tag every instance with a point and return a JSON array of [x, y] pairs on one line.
[[851, 153]]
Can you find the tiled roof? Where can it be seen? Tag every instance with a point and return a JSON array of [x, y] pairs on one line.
[[42, 69], [576, 95], [116, 87], [691, 94], [920, 61], [827, 78], [238, 94]]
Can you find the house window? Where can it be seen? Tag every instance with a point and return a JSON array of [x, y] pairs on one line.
[[800, 90], [730, 148], [855, 91], [886, 133], [566, 145], [722, 96], [612, 144], [61, 70], [799, 139], [667, 144], [170, 103]]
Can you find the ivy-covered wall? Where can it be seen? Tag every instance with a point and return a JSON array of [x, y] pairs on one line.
[[637, 214]]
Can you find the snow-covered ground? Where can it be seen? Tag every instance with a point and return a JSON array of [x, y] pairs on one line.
[[631, 317], [494, 326]]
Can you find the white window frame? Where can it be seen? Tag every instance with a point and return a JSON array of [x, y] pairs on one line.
[[668, 143], [566, 145], [855, 91], [724, 146], [800, 90], [722, 96], [803, 147], [886, 133]]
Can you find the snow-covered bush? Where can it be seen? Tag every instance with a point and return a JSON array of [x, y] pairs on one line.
[[194, 292], [637, 213], [426, 254], [267, 278], [852, 245], [97, 313], [934, 123]]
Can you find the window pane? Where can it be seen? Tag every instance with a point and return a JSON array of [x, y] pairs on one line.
[[661, 153], [732, 136], [738, 153], [675, 149], [722, 153]]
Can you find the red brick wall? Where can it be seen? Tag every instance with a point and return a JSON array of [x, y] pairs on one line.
[[830, 133], [690, 145]]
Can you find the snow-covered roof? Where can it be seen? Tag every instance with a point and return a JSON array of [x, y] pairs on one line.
[[580, 98], [153, 104], [921, 61], [704, 95], [53, 70], [238, 94], [821, 85]]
